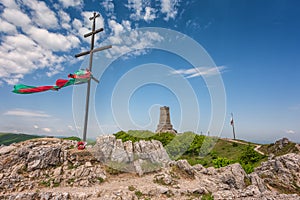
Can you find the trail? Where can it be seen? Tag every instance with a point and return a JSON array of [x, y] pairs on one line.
[[257, 146]]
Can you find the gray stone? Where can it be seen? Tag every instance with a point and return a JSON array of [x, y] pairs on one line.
[[6, 149], [143, 156]]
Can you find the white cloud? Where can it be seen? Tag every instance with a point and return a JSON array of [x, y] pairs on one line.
[[54, 70], [84, 26], [149, 14], [9, 3], [71, 3], [125, 39], [53, 41], [7, 27], [65, 19], [290, 131], [20, 55], [35, 126], [26, 113], [88, 23], [16, 17], [48, 130], [141, 10], [169, 8], [41, 14], [116, 28], [35, 47], [200, 71], [109, 7]]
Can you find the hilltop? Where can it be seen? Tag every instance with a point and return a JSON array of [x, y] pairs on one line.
[[51, 168], [9, 138]]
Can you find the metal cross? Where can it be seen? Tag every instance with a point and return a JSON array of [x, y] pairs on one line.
[[91, 51]]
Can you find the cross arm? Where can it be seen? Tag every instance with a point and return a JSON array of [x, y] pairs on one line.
[[93, 51], [93, 32]]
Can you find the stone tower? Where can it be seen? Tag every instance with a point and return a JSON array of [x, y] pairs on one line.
[[165, 121]]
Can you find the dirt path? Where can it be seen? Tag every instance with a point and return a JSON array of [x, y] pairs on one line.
[[257, 146]]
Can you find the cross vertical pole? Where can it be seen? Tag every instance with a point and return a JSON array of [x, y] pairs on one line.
[[91, 51]]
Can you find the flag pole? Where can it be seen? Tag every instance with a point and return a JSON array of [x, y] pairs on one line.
[[232, 124]]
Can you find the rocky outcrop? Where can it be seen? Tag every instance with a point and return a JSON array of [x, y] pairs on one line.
[[282, 173], [54, 169], [139, 157], [46, 163]]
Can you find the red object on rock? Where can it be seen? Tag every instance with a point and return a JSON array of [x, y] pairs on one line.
[[81, 145]]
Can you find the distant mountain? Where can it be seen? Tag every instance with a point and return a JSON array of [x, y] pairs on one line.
[[9, 138]]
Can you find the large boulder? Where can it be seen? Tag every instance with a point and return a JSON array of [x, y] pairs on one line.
[[139, 157]]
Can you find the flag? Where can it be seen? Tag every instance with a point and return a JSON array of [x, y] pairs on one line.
[[79, 77], [231, 121]]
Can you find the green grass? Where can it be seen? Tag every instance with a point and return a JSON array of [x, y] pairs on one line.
[[9, 138], [74, 138], [222, 149]]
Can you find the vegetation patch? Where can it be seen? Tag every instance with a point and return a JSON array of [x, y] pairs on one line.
[[207, 197], [73, 138], [200, 149], [131, 188], [45, 183], [247, 181], [71, 181], [9, 138], [100, 179], [138, 193]]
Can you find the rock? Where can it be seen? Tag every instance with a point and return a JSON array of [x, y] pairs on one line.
[[186, 167], [57, 171], [233, 175], [141, 157], [88, 164], [281, 172], [6, 149], [257, 181]]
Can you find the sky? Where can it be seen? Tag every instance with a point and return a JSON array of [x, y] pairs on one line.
[[203, 59]]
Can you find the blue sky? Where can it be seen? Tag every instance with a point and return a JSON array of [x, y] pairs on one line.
[[203, 59]]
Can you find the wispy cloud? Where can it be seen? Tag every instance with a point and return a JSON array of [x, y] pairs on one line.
[[169, 8], [200, 71], [126, 39], [47, 130], [290, 131], [26, 113], [71, 3]]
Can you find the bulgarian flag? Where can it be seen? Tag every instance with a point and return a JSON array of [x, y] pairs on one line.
[[231, 121], [79, 77]]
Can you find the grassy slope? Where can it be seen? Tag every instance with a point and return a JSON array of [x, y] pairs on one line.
[[222, 148], [9, 138]]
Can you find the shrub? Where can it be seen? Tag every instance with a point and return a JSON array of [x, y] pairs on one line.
[[222, 162]]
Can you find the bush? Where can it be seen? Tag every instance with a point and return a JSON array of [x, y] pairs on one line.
[[221, 162], [249, 168]]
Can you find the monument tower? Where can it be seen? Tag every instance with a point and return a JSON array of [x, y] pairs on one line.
[[164, 124]]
